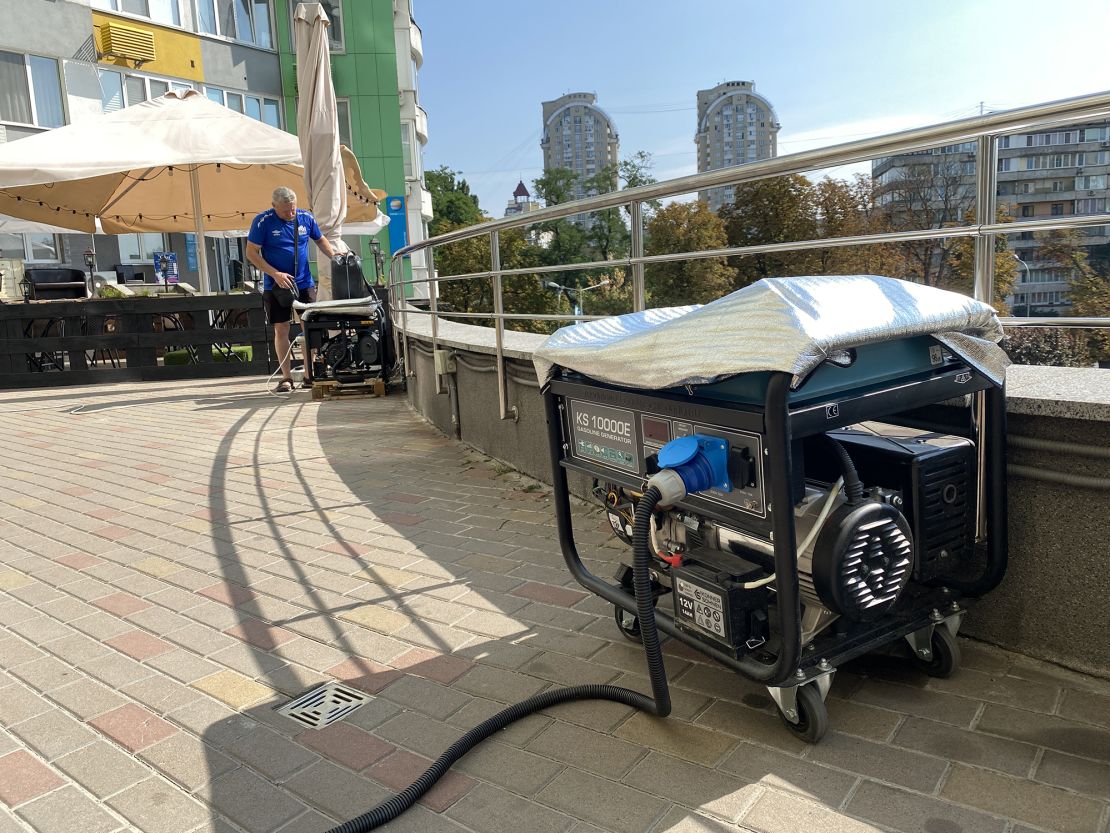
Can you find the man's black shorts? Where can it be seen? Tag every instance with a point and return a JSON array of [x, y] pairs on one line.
[[276, 313]]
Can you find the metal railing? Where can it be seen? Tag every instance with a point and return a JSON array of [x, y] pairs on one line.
[[983, 130]]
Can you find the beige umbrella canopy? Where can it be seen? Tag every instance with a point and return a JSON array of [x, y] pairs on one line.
[[179, 163]]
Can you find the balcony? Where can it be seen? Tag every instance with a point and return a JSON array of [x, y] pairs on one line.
[[416, 43]]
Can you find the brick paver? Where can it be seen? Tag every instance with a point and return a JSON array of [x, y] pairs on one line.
[[219, 551]]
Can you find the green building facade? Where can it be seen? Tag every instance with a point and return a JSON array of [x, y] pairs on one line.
[[376, 53]]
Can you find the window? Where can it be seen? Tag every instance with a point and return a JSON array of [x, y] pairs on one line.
[[406, 150], [119, 90], [30, 247], [335, 30], [343, 112], [160, 11], [30, 90], [1091, 182], [270, 113], [262, 109], [244, 20], [1027, 211], [139, 248], [1057, 209]]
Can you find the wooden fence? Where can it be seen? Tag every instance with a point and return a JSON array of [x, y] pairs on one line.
[[81, 342]]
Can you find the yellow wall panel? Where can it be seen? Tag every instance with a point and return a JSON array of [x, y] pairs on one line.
[[178, 53]]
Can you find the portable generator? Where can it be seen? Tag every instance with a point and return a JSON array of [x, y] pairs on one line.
[[349, 339], [808, 469]]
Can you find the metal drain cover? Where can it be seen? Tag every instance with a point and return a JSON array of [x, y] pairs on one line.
[[325, 705]]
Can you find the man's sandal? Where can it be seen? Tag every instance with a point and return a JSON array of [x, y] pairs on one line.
[[284, 386]]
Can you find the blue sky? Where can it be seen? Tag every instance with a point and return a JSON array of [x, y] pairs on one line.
[[834, 71]]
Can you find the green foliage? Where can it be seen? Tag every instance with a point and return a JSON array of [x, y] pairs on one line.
[[686, 227], [776, 210], [109, 291], [1043, 346], [960, 273], [521, 293], [452, 203]]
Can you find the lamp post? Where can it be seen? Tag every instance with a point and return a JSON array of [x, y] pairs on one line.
[[90, 267], [1024, 266], [577, 290]]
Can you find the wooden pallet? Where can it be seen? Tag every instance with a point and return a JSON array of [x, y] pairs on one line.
[[331, 389]]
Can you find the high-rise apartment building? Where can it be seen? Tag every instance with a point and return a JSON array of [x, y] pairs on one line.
[[65, 60], [735, 125], [1042, 174], [580, 136]]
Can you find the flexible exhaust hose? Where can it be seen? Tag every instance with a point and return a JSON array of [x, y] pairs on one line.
[[660, 706]]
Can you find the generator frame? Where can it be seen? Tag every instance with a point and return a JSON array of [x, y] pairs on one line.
[[781, 422]]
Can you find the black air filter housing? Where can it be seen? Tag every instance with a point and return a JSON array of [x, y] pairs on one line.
[[863, 560]]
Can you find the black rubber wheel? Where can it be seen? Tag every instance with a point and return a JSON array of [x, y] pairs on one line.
[[813, 716], [946, 654], [628, 624]]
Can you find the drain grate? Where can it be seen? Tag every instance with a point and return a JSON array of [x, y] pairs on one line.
[[325, 705]]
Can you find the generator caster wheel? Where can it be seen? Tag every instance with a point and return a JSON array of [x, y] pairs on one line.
[[629, 623], [946, 654], [813, 715]]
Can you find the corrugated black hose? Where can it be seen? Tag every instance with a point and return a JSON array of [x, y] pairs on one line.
[[853, 488], [659, 704]]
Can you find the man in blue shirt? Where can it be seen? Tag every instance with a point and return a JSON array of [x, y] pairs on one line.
[[270, 247]]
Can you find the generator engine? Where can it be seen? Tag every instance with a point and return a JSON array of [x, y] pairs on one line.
[[859, 542]]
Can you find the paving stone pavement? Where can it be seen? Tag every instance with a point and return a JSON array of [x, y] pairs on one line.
[[178, 559]]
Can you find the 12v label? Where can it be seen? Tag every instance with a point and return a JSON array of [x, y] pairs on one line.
[[703, 607], [604, 435]]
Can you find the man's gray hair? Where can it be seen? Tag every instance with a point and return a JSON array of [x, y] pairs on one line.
[[284, 196]]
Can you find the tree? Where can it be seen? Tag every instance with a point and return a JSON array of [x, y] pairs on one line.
[[960, 276], [776, 210], [687, 227], [847, 209], [1090, 282], [452, 203], [523, 294], [1052, 347], [928, 196], [606, 234], [634, 172]]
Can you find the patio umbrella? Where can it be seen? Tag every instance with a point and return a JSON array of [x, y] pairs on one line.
[[318, 130], [179, 163]]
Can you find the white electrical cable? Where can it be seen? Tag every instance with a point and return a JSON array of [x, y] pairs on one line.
[[813, 532], [288, 354], [824, 516]]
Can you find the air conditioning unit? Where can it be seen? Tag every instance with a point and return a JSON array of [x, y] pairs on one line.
[[127, 42], [1090, 193], [1106, 144]]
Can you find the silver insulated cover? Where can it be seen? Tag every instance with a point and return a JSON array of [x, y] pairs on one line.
[[778, 324]]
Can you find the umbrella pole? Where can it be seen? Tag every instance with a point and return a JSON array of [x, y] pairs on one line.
[[202, 252]]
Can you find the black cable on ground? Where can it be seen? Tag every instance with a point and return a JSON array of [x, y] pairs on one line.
[[659, 704]]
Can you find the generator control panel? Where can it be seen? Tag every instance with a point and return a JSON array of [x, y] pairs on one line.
[[628, 441]]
